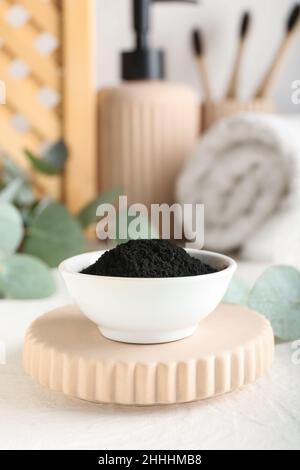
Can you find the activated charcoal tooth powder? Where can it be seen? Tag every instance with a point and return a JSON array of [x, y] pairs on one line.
[[148, 258]]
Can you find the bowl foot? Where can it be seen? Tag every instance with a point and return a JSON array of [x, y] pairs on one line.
[[146, 337]]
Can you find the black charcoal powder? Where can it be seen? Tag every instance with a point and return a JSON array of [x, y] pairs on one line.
[[148, 259]]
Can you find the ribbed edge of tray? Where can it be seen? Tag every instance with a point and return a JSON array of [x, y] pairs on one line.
[[134, 383]]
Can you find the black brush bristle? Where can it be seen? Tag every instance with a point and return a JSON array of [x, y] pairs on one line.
[[293, 18], [245, 24], [197, 42]]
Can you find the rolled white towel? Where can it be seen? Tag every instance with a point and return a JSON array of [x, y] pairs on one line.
[[244, 170], [277, 240]]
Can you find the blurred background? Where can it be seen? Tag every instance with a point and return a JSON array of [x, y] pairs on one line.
[[193, 107], [219, 20], [218, 128]]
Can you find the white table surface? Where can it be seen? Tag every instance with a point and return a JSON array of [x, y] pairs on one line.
[[264, 415]]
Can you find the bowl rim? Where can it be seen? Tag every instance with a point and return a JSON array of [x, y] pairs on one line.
[[230, 267]]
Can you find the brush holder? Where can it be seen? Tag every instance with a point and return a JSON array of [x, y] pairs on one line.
[[216, 110]]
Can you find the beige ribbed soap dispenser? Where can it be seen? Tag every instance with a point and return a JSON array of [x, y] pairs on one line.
[[147, 126]]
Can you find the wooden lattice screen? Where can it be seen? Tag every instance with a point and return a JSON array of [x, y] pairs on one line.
[[46, 62]]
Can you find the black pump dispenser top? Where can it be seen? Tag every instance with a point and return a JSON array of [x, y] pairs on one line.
[[144, 63]]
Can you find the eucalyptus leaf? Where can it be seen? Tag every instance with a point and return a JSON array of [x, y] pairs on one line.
[[39, 207], [54, 234], [9, 193], [276, 295], [11, 170], [25, 196], [53, 160], [28, 213], [41, 165], [88, 216], [57, 155], [2, 292], [15, 187], [25, 277], [11, 229], [237, 293]]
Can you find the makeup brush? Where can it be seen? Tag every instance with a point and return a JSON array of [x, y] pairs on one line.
[[292, 26], [243, 36], [199, 52]]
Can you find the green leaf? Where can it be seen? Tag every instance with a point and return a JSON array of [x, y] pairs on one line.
[[39, 207], [15, 186], [9, 193], [11, 229], [237, 292], [2, 293], [25, 277], [276, 295], [11, 170], [25, 197], [54, 234], [52, 162], [88, 216], [57, 155], [41, 165], [29, 212], [17, 192]]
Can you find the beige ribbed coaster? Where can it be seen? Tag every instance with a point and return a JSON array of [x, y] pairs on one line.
[[64, 351]]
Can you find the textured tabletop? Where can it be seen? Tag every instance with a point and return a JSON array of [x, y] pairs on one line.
[[265, 415]]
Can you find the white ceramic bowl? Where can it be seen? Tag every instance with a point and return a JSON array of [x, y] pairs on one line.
[[147, 310]]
